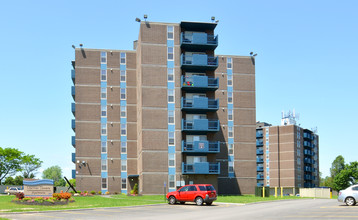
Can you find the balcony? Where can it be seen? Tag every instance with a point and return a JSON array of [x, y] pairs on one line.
[[260, 184], [73, 174], [74, 157], [259, 160], [73, 140], [73, 108], [308, 177], [200, 126], [73, 124], [259, 134], [307, 160], [260, 169], [259, 151], [199, 105], [307, 135], [259, 143], [198, 41], [260, 177], [307, 144], [307, 152], [73, 76], [73, 93], [307, 185], [198, 62], [199, 83], [201, 168], [308, 169], [200, 147]]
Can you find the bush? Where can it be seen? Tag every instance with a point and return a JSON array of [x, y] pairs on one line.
[[20, 195], [99, 192], [39, 200], [116, 193], [93, 192], [60, 196], [85, 191], [79, 192]]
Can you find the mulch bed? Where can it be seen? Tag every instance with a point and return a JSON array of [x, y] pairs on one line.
[[46, 203]]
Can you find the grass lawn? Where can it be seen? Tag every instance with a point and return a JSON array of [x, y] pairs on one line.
[[83, 202]]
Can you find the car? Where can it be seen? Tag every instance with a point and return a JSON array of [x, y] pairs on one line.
[[198, 193], [13, 190], [349, 195]]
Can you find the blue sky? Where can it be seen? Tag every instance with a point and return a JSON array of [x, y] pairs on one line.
[[307, 60]]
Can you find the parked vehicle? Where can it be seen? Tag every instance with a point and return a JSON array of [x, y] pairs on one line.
[[198, 193], [13, 190], [349, 195]]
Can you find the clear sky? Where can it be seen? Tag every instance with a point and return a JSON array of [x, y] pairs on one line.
[[307, 60]]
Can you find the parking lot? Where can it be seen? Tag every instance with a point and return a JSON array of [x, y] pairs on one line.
[[287, 209]]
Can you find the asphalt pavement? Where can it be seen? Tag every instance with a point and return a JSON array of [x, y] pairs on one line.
[[284, 209]]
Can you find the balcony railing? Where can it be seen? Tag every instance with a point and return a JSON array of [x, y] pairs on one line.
[[73, 124], [307, 144], [200, 147], [73, 108], [73, 76], [200, 125], [260, 169], [308, 177], [73, 93], [198, 62], [259, 142], [260, 177], [307, 160], [259, 133], [74, 157], [259, 160], [199, 83], [201, 168], [199, 104], [308, 169], [73, 141], [260, 184], [259, 151], [198, 41]]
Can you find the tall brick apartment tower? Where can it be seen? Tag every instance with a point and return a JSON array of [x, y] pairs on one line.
[[166, 114], [287, 156]]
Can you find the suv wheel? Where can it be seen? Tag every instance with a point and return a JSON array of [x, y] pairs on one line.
[[350, 201], [172, 200], [199, 200]]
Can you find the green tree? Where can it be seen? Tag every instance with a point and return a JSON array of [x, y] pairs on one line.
[[18, 181], [346, 177], [337, 166], [9, 181], [29, 165], [54, 173], [72, 181], [10, 162]]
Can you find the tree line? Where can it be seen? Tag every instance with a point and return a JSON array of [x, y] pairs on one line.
[[342, 175], [13, 161]]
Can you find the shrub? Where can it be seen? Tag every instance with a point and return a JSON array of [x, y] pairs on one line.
[[72, 192], [85, 192], [60, 196], [27, 199], [39, 200], [93, 192], [99, 192], [20, 195], [107, 193], [116, 193]]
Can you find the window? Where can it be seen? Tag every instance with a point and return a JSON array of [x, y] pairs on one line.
[[123, 94], [123, 111], [229, 80], [170, 75], [124, 147], [123, 129], [229, 63], [104, 165], [104, 129], [124, 183], [170, 53], [103, 93], [103, 146], [123, 58], [192, 188], [170, 32], [231, 149], [229, 97], [103, 75], [103, 57], [124, 165], [104, 183], [171, 181], [103, 111], [171, 95], [171, 160], [298, 161], [231, 167], [170, 117], [229, 114], [298, 153], [123, 75], [171, 138], [299, 177], [230, 132]]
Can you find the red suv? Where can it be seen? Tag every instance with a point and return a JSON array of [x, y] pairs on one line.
[[198, 193]]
